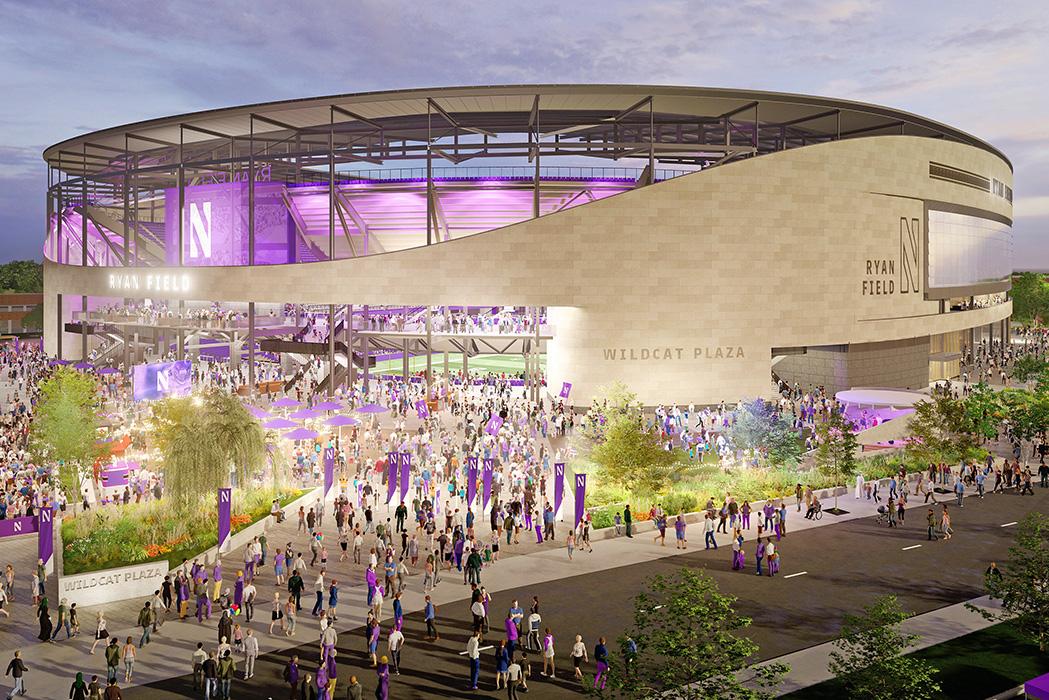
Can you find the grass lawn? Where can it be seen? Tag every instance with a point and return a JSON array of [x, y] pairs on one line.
[[511, 364], [975, 666]]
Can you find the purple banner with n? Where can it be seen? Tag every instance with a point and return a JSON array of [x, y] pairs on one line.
[[406, 474], [18, 526], [488, 470], [471, 481], [329, 469], [393, 462], [225, 517], [559, 486], [580, 498], [45, 548]]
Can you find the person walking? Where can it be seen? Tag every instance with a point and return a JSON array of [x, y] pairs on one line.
[[226, 670], [601, 659], [548, 653], [430, 614], [197, 662], [128, 656], [112, 691], [473, 653], [16, 668], [112, 659], [628, 521], [145, 621], [251, 653], [945, 524], [579, 656], [291, 676]]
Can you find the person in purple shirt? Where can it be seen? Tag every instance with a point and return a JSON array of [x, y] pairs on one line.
[[511, 633], [382, 689], [291, 675], [369, 577]]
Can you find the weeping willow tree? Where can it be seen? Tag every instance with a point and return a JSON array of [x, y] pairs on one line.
[[65, 425], [205, 440]]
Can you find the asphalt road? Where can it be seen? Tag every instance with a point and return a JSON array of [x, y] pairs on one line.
[[847, 565]]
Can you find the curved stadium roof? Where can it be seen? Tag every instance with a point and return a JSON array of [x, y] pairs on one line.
[[680, 124]]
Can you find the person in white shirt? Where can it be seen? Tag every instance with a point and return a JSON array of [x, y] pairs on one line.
[[249, 601], [579, 656], [513, 679], [395, 641], [251, 652], [473, 652]]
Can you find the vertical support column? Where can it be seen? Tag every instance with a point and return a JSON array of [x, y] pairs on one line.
[[251, 350], [127, 205], [535, 181], [331, 217], [466, 364], [429, 351], [351, 369], [181, 202], [366, 352], [331, 349], [651, 140], [61, 327], [445, 381], [181, 335], [404, 360], [535, 324], [251, 191], [429, 177]]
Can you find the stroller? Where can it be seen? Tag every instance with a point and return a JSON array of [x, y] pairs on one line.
[[883, 516]]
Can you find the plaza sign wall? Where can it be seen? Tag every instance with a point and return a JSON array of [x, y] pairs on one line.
[[97, 587]]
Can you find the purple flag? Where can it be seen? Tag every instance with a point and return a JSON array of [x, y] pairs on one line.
[[493, 425], [329, 469], [471, 481], [559, 485], [45, 548], [488, 468], [19, 526], [580, 497], [360, 487], [392, 464], [406, 473], [421, 409], [566, 389], [225, 511], [437, 502]]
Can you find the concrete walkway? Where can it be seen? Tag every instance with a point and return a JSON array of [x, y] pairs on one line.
[[809, 666]]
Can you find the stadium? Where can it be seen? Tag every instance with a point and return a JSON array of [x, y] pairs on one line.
[[697, 244]]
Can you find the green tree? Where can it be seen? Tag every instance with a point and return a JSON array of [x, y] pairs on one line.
[[611, 402], [65, 427], [1030, 296], [760, 427], [203, 440], [22, 276], [941, 431], [1023, 586], [1029, 367], [983, 412], [633, 457], [836, 452], [689, 646], [870, 657]]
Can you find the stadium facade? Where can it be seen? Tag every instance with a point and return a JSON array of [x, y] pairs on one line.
[[693, 243]]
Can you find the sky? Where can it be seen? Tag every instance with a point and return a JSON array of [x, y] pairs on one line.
[[70, 68]]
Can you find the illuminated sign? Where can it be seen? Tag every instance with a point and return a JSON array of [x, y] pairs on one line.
[[148, 282]]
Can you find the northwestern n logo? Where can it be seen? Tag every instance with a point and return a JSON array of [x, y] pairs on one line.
[[200, 230], [910, 251]]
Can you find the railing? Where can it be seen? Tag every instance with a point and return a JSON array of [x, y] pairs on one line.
[[508, 172]]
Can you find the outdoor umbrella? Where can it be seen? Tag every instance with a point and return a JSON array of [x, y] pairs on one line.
[[84, 365], [304, 414], [257, 412], [339, 421], [286, 402], [328, 406], [280, 423], [372, 408], [109, 370], [301, 434]]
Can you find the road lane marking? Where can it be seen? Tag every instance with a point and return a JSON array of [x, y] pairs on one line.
[[913, 546], [800, 573], [1009, 524], [463, 653]]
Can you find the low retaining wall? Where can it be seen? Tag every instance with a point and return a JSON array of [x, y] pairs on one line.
[[109, 585]]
